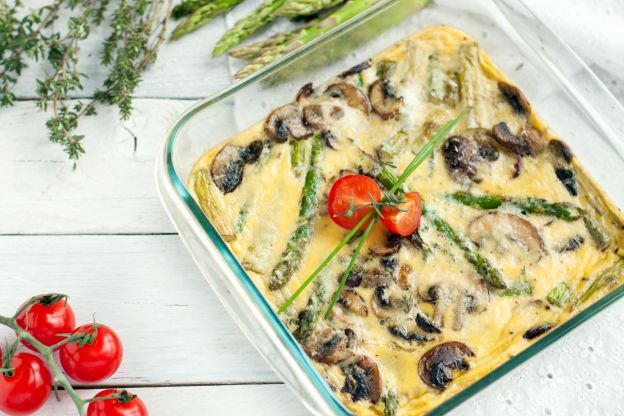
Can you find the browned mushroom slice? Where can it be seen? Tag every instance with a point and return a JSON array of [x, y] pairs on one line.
[[427, 324], [533, 139], [330, 139], [470, 300], [354, 96], [227, 168], [328, 346], [313, 116], [363, 380], [405, 334], [376, 277], [461, 156], [437, 365], [537, 331], [442, 296], [356, 69], [392, 245], [515, 98], [285, 122], [406, 277], [306, 91], [353, 302], [384, 100], [388, 303], [560, 150], [507, 235], [507, 139]]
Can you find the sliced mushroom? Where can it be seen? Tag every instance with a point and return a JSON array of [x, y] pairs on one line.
[[313, 116], [515, 98], [436, 366], [376, 277], [507, 139], [427, 324], [353, 302], [285, 122], [384, 100], [537, 331], [392, 245], [416, 239], [567, 178], [356, 69], [534, 140], [401, 331], [354, 279], [329, 139], [354, 96], [442, 296], [507, 234], [363, 380], [462, 157], [561, 150], [328, 346], [306, 91], [227, 166], [406, 277], [572, 244], [471, 300], [387, 304]]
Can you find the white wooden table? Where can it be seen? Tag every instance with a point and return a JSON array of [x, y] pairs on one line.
[[99, 234]]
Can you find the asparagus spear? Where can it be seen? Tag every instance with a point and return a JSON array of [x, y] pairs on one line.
[[188, 7], [521, 288], [297, 155], [605, 278], [488, 272], [310, 315], [559, 294], [469, 81], [254, 50], [260, 17], [561, 210], [596, 232], [293, 254], [442, 89], [303, 36], [202, 15], [389, 401], [293, 8]]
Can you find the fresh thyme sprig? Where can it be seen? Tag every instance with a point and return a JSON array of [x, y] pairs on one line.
[[422, 155], [137, 30]]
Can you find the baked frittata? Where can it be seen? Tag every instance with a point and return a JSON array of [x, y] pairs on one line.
[[515, 238]]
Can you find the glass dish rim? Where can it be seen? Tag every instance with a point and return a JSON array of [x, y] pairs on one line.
[[183, 196]]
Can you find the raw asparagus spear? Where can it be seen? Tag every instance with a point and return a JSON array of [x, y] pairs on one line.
[[469, 81], [303, 36], [187, 7], [604, 279], [309, 316], [489, 273], [559, 294], [201, 16], [561, 210], [292, 256], [293, 8], [260, 17], [254, 50]]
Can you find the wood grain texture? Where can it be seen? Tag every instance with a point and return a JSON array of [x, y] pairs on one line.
[[270, 400], [147, 288]]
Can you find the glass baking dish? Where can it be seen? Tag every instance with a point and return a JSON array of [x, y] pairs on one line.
[[576, 105]]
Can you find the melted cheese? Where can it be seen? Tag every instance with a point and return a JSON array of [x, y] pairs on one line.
[[266, 206]]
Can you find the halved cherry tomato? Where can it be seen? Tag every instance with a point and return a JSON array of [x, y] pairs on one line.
[[403, 221], [28, 388], [92, 362], [44, 321], [350, 200], [116, 407]]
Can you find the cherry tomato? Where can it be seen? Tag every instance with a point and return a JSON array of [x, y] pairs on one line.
[[44, 321], [28, 388], [93, 361], [350, 200], [403, 221], [116, 407]]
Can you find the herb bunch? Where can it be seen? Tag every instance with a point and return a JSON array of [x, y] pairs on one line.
[[137, 29]]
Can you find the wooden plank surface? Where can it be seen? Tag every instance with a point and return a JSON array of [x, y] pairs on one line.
[[270, 400], [146, 288]]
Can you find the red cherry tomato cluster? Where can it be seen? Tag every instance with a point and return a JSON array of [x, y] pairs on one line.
[[28, 387], [352, 197]]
